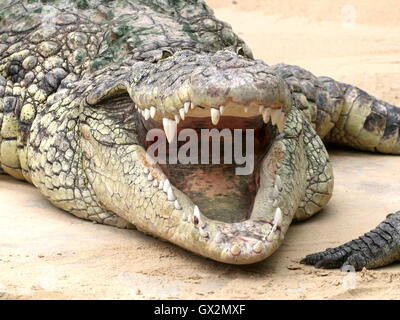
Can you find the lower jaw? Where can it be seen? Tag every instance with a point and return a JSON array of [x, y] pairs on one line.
[[148, 206], [259, 224]]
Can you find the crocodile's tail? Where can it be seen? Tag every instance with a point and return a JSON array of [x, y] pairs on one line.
[[344, 114], [366, 123]]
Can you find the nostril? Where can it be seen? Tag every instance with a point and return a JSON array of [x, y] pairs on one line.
[[166, 54]]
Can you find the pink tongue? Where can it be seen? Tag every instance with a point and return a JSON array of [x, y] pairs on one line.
[[217, 190]]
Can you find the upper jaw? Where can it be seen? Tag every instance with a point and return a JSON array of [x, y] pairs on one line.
[[198, 85], [177, 84], [211, 86]]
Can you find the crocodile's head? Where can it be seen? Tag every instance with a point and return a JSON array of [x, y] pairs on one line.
[[212, 209], [185, 77]]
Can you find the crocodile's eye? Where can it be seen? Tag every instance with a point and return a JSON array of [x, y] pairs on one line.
[[166, 54], [240, 52], [244, 51]]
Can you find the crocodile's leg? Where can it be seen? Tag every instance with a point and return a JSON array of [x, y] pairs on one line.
[[346, 115], [376, 248]]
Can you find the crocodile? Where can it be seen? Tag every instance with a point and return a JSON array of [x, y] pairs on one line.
[[83, 83]]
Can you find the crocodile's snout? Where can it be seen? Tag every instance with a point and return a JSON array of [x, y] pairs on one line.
[[210, 81]]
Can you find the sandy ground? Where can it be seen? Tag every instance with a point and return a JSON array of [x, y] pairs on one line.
[[46, 253]]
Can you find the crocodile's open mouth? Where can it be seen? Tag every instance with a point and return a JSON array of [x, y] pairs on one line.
[[215, 105], [222, 140]]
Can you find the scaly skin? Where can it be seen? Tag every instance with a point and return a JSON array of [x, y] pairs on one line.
[[79, 79]]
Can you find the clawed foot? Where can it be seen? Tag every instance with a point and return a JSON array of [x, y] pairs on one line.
[[335, 258], [376, 248]]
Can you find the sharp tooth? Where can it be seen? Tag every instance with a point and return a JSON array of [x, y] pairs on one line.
[[192, 106], [281, 122], [278, 182], [166, 186], [186, 106], [196, 211], [155, 183], [215, 116], [261, 109], [161, 185], [246, 109], [266, 115], [146, 114], [221, 109], [150, 177], [170, 129], [177, 118], [257, 248], [277, 222], [146, 170], [197, 215], [182, 113], [278, 217], [235, 250], [153, 112], [177, 205], [170, 194], [275, 115]]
